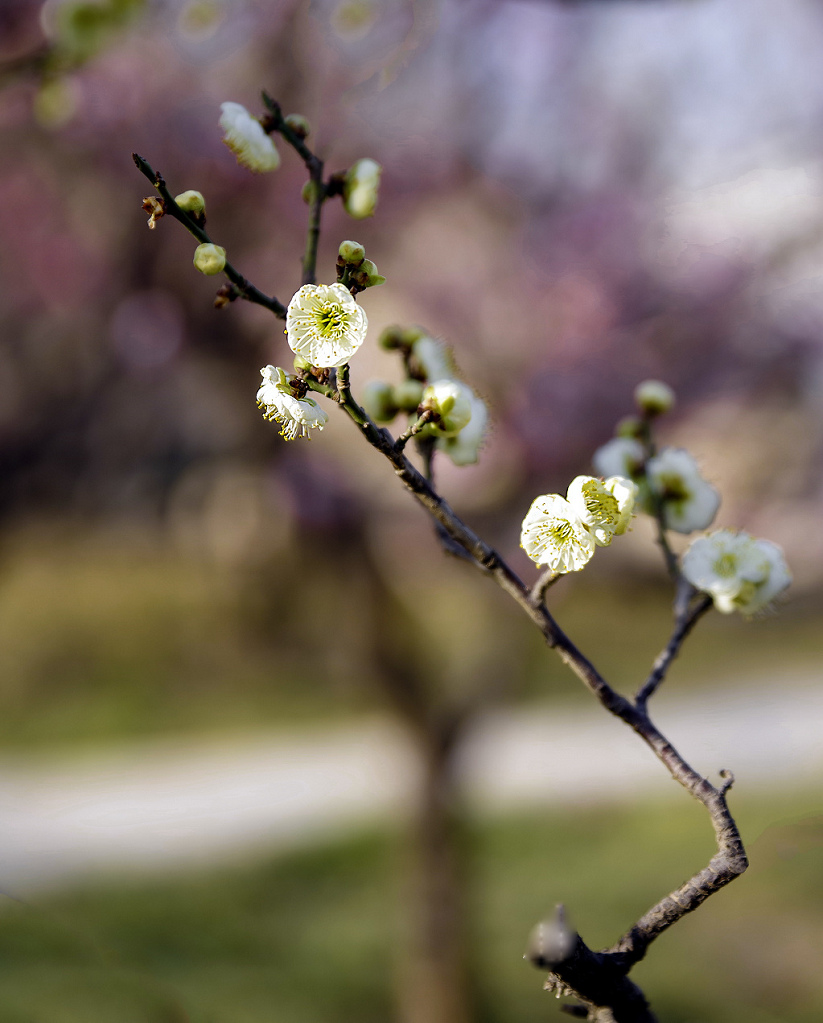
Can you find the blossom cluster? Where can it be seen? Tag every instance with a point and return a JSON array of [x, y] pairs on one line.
[[562, 532]]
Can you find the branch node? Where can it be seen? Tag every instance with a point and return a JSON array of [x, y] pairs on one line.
[[728, 781]]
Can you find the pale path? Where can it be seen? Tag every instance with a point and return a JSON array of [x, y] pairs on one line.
[[178, 803]]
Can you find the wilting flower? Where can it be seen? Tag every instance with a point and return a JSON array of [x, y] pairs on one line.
[[554, 535], [740, 572], [360, 188], [295, 416], [604, 508], [209, 258], [622, 456], [245, 137], [687, 501], [325, 325], [464, 447]]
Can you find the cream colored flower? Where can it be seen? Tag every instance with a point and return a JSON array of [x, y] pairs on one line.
[[464, 447], [604, 508], [245, 137], [360, 188], [739, 572], [325, 325], [297, 417], [622, 456], [554, 535], [688, 501]]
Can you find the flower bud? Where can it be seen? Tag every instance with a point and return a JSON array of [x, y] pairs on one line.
[[367, 275], [451, 402], [308, 192], [408, 395], [629, 426], [299, 125], [210, 259], [399, 337], [653, 397], [360, 188], [352, 253], [378, 401], [192, 202], [301, 363]]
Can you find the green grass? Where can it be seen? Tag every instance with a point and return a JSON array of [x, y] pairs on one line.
[[313, 937], [107, 638]]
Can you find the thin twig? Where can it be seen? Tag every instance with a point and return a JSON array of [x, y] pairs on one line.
[[547, 578], [245, 289], [684, 624], [422, 420]]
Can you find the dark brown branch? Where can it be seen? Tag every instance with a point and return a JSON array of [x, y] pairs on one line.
[[684, 624], [245, 289], [319, 193]]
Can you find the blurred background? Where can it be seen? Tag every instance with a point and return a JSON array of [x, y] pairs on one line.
[[208, 780]]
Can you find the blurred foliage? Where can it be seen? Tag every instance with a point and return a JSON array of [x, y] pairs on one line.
[[307, 937]]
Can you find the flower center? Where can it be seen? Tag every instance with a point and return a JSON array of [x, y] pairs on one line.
[[562, 533], [329, 320], [601, 506], [726, 566], [672, 488]]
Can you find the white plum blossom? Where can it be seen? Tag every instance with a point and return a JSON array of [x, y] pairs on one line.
[[360, 188], [245, 137], [688, 502], [325, 325], [605, 508], [464, 447], [740, 572], [621, 456], [295, 416], [554, 535]]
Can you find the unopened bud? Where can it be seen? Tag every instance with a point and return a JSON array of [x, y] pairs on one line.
[[451, 402], [367, 275], [653, 397], [360, 188], [192, 202], [299, 125], [629, 426], [209, 258], [352, 253], [308, 192], [378, 401], [408, 395]]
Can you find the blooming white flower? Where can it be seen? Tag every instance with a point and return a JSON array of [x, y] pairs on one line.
[[451, 401], [209, 258], [622, 456], [360, 188], [325, 325], [740, 572], [464, 447], [245, 137], [295, 416], [688, 501], [604, 508], [554, 535]]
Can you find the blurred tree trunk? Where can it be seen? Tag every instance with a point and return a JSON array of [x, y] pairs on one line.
[[435, 978]]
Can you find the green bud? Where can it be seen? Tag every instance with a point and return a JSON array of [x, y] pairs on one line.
[[629, 426], [308, 192], [378, 401], [191, 202], [360, 188], [352, 253], [301, 363], [299, 125], [367, 275], [210, 259], [408, 395], [653, 397]]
